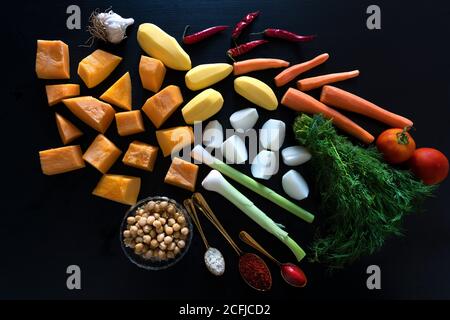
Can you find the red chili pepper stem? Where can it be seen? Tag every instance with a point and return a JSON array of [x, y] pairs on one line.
[[185, 31]]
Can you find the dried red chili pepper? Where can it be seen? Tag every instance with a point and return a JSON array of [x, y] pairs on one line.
[[241, 25], [286, 35], [255, 272], [201, 35], [244, 48]]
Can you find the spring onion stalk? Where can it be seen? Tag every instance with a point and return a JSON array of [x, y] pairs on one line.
[[201, 155], [214, 181]]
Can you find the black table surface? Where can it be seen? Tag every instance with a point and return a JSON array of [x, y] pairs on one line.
[[53, 222]]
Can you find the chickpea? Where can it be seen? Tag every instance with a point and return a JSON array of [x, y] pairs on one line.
[[127, 241], [160, 230], [132, 245], [162, 220], [171, 209], [142, 221], [161, 254], [170, 255], [131, 220], [171, 246], [154, 243], [140, 211], [160, 237], [157, 208], [181, 219], [157, 224], [133, 229], [148, 254], [171, 222], [149, 206], [152, 233], [184, 231], [137, 217], [138, 248], [181, 244], [127, 234], [140, 232], [176, 227], [177, 235], [147, 229], [163, 246], [176, 215], [168, 240], [168, 230], [150, 220], [147, 239], [176, 250], [165, 215], [139, 240], [157, 216]]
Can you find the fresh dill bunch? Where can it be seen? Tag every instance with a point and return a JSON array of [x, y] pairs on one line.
[[363, 198]]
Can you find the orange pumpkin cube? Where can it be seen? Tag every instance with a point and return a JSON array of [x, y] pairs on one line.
[[67, 130], [161, 106], [60, 160], [141, 155], [152, 72], [97, 66], [52, 60], [119, 94], [174, 139], [57, 92], [119, 188], [182, 174], [102, 154], [95, 113], [129, 122]]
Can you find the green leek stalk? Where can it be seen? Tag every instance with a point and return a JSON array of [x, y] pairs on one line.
[[200, 154], [214, 181]]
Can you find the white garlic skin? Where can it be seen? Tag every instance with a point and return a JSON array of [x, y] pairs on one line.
[[115, 25]]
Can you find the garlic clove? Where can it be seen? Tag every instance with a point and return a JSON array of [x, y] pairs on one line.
[[213, 134], [294, 185], [295, 155], [244, 119], [265, 165], [272, 134], [234, 150]]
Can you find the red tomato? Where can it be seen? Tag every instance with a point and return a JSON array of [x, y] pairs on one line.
[[429, 165], [396, 145]]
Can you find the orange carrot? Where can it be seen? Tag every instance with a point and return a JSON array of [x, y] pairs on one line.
[[302, 102], [344, 100], [250, 65], [294, 71], [317, 82]]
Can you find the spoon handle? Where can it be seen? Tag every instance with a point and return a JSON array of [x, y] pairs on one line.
[[190, 208], [248, 239]]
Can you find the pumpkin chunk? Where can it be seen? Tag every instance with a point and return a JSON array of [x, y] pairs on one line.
[[152, 72], [129, 122], [93, 112], [67, 130], [119, 93], [60, 160], [102, 154], [119, 188], [161, 106], [52, 60], [182, 174], [141, 155], [97, 66], [57, 92], [174, 139]]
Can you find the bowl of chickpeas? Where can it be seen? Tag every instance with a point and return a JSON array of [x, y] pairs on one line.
[[156, 233]]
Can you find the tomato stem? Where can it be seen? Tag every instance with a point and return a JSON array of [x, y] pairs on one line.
[[402, 137]]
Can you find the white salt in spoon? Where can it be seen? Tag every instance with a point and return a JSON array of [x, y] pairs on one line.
[[214, 260]]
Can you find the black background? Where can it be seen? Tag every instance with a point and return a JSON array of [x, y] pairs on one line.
[[52, 222]]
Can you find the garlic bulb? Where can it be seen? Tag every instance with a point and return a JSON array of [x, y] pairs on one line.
[[109, 26]]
